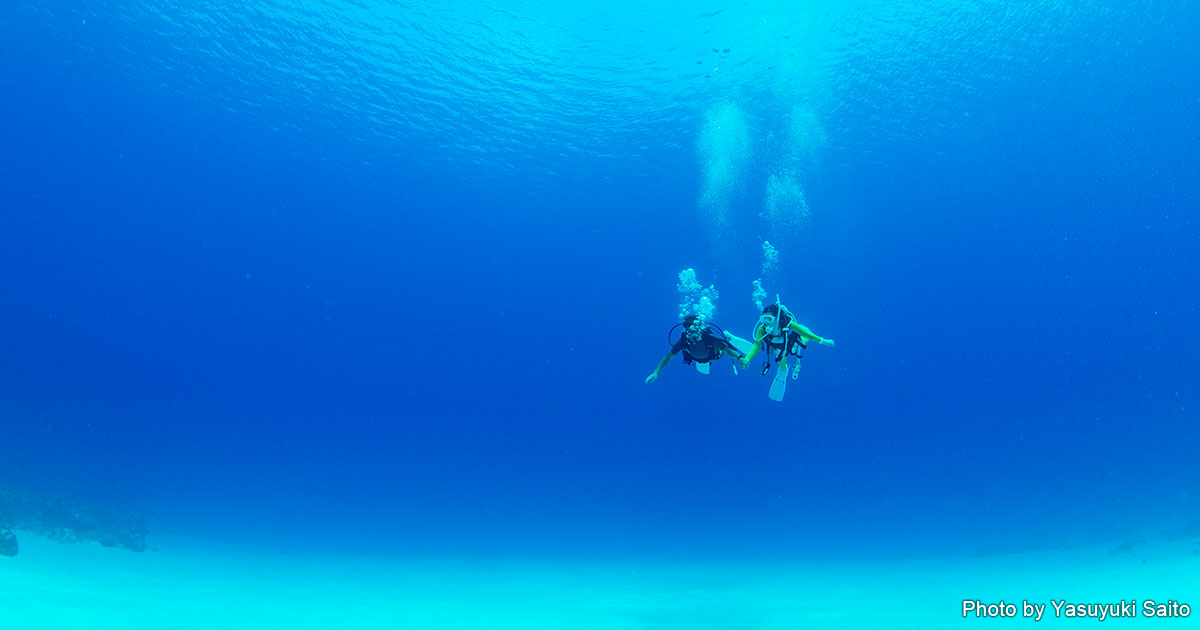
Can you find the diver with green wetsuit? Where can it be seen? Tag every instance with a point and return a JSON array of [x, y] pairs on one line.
[[779, 332]]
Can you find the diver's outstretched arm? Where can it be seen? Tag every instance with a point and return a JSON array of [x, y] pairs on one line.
[[805, 333], [661, 364]]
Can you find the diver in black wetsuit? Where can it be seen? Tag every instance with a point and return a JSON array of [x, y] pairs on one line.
[[700, 343]]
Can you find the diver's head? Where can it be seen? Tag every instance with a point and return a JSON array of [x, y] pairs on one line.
[[694, 327], [770, 318]]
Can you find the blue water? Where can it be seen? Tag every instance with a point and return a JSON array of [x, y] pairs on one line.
[[390, 276]]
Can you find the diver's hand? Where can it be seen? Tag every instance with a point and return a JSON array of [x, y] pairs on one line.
[[653, 377], [744, 362], [826, 342]]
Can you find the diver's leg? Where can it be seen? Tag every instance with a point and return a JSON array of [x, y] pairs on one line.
[[743, 346]]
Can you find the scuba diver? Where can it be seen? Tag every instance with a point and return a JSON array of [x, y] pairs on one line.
[[701, 344], [779, 332]]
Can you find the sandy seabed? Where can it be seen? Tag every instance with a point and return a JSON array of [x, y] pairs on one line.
[[184, 583]]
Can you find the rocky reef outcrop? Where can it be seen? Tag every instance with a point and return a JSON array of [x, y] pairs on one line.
[[8, 542], [65, 519]]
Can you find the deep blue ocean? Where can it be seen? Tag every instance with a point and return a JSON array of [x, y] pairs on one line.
[[390, 275]]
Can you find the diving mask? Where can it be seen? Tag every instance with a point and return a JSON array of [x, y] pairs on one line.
[[768, 323]]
